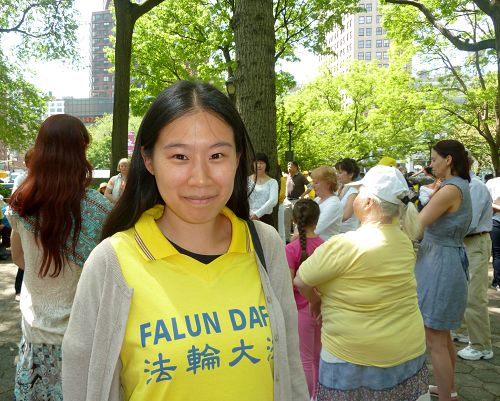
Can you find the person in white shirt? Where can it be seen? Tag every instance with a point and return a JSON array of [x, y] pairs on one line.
[[347, 171], [263, 191], [331, 211], [493, 186]]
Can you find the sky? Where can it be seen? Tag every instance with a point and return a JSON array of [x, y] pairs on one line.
[[63, 79]]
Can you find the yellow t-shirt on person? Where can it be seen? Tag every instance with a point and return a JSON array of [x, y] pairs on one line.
[[195, 332], [369, 297]]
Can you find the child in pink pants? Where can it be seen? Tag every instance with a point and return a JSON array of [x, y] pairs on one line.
[[305, 216]]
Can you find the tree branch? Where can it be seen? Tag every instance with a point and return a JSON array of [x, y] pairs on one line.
[[25, 13], [140, 10], [455, 40]]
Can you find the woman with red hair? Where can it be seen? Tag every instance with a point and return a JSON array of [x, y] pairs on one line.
[[56, 221]]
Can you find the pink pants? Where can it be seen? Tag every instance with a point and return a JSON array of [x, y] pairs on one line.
[[310, 348]]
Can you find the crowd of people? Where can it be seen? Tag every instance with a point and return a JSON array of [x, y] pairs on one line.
[[171, 281]]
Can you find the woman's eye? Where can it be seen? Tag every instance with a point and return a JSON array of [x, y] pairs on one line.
[[180, 157], [216, 156]]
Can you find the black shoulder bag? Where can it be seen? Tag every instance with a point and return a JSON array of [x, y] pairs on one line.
[[256, 243]]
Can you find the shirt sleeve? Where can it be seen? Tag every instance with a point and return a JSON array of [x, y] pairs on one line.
[[111, 182], [291, 256], [305, 182], [331, 213], [327, 262], [11, 218], [272, 200]]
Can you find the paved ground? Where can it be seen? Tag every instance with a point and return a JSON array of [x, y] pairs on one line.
[[477, 381]]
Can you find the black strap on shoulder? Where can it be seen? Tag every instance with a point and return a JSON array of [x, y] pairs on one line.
[[256, 243]]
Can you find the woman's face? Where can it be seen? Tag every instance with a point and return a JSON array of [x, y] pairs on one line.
[[194, 162], [260, 167], [123, 167], [441, 166], [343, 176], [321, 187]]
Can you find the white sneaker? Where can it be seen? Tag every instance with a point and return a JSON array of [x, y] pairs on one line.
[[460, 338], [472, 354]]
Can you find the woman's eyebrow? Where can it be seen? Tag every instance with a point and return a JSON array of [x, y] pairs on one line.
[[186, 145]]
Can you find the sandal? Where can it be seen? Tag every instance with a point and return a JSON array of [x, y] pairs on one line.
[[434, 393]]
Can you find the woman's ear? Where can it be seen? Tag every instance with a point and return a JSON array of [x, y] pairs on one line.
[[148, 162], [449, 160]]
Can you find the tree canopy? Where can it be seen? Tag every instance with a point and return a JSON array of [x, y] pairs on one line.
[[22, 109], [364, 113], [469, 84], [183, 39], [44, 29]]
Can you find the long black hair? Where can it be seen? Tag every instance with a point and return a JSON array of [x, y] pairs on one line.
[[305, 214], [141, 192], [460, 165]]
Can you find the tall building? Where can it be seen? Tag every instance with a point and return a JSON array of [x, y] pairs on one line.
[[101, 28], [361, 38], [86, 109]]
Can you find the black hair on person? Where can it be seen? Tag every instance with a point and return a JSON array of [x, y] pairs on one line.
[[460, 165], [262, 157], [305, 214], [141, 192], [349, 166]]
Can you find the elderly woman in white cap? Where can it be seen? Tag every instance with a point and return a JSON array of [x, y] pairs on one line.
[[372, 335]]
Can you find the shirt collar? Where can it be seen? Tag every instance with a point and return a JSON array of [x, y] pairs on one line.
[[154, 245]]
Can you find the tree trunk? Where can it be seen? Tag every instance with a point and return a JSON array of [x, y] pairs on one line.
[[123, 52], [495, 156], [254, 38]]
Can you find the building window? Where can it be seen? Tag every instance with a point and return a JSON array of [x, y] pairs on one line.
[[379, 30], [105, 79], [368, 44], [378, 55], [361, 32], [368, 56], [361, 20], [386, 42], [369, 19], [361, 55], [378, 43], [379, 17], [368, 7], [386, 56], [361, 43], [368, 31]]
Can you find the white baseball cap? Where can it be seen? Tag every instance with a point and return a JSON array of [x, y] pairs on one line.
[[386, 183]]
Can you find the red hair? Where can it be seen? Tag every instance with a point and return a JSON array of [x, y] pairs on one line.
[[59, 173]]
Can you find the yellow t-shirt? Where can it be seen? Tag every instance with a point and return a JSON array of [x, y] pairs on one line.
[[195, 332], [369, 298]]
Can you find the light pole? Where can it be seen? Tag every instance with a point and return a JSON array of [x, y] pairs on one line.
[[289, 153], [231, 89]]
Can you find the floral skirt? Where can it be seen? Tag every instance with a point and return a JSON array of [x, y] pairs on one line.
[[38, 372], [405, 382]]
